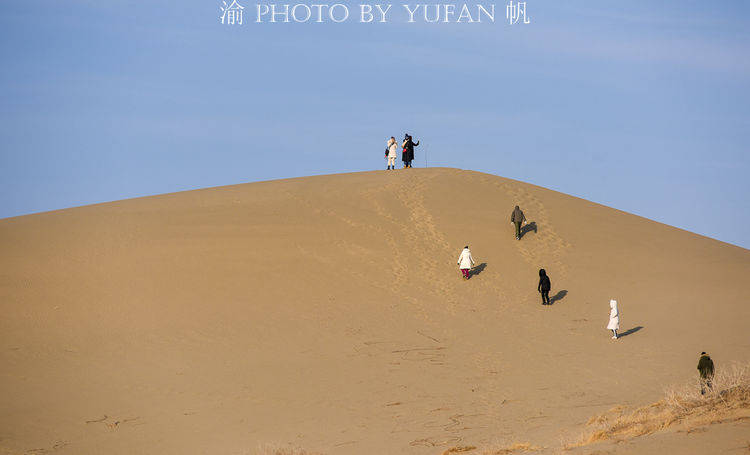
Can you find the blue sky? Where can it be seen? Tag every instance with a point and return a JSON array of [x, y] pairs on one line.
[[640, 105]]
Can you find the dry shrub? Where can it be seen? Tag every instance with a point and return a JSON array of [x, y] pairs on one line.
[[728, 400]]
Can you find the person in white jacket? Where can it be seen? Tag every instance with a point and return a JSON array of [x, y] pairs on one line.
[[614, 318], [465, 262], [392, 150]]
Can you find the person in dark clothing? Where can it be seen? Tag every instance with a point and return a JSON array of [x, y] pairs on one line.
[[407, 156], [544, 286], [706, 370], [517, 218]]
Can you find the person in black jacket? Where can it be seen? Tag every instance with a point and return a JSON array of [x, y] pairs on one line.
[[706, 370], [544, 286], [407, 155]]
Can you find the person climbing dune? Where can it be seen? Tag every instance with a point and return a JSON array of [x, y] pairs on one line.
[[706, 371], [465, 262], [518, 218], [544, 286], [614, 318]]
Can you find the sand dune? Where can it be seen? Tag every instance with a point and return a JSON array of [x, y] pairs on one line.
[[328, 313]]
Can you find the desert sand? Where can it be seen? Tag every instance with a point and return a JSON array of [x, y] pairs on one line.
[[328, 313]]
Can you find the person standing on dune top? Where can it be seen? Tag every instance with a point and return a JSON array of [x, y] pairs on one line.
[[517, 218], [544, 286], [465, 262], [407, 155], [614, 318], [390, 153]]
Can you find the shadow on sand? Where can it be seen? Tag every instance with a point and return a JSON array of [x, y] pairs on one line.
[[528, 228], [629, 331], [477, 269], [557, 297]]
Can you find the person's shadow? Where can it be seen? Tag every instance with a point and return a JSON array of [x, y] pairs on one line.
[[477, 269], [629, 331], [528, 228], [557, 297]]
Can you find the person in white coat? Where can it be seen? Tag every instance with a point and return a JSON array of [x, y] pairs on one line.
[[391, 153], [465, 262], [614, 318]]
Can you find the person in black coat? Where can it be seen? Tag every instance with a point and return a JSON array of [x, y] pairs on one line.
[[407, 156], [706, 370], [544, 286]]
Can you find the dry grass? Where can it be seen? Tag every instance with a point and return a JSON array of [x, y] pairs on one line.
[[729, 400]]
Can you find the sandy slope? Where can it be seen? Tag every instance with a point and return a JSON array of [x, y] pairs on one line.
[[328, 312]]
